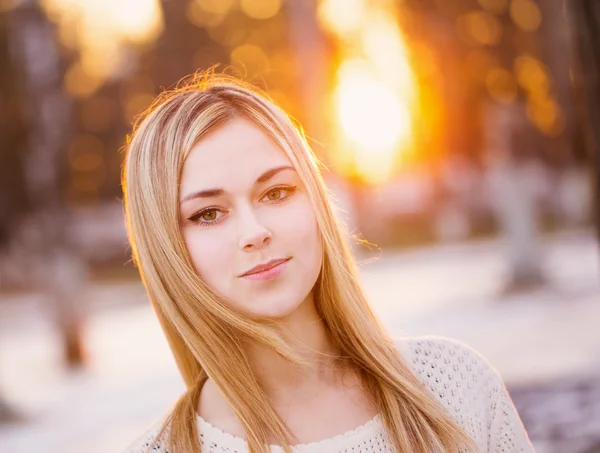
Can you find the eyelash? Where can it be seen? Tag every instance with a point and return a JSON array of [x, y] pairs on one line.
[[196, 218]]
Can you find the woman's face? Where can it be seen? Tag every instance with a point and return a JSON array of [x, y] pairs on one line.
[[243, 205]]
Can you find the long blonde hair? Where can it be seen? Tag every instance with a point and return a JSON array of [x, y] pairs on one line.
[[205, 333]]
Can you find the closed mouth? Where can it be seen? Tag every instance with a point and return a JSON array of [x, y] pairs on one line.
[[265, 267]]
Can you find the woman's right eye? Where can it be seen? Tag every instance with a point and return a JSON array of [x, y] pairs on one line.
[[206, 216]]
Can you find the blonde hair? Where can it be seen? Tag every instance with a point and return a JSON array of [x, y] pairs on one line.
[[205, 333]]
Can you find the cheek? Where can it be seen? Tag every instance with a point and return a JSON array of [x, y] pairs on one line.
[[209, 257], [298, 227]]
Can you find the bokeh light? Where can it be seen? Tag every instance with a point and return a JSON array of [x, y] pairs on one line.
[[501, 85], [100, 30], [220, 7], [253, 60], [80, 83], [201, 17], [526, 14], [545, 113], [480, 27], [342, 16], [260, 9], [494, 6], [531, 73], [369, 110]]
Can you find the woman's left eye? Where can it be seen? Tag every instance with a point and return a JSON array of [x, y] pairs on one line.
[[279, 193]]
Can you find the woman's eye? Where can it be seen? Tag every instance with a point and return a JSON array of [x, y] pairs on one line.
[[209, 215], [274, 194], [279, 193], [206, 216]]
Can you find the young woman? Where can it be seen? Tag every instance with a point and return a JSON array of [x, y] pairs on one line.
[[249, 273]]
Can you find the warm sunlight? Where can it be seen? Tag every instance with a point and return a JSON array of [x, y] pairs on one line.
[[99, 30], [342, 16], [369, 112], [375, 92]]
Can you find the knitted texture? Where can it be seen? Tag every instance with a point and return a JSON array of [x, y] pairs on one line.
[[459, 378]]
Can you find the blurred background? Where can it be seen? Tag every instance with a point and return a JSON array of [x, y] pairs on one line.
[[461, 140]]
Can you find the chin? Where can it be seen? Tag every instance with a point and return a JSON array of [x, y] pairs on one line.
[[276, 311], [279, 308]]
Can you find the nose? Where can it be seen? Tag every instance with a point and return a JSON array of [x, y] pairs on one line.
[[253, 234]]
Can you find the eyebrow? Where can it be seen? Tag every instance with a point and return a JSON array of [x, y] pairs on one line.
[[208, 193]]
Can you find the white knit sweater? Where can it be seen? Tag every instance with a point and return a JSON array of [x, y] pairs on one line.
[[459, 378]]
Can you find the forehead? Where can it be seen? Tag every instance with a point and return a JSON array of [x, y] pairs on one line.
[[231, 157]]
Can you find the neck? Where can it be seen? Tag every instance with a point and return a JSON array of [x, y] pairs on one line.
[[311, 340]]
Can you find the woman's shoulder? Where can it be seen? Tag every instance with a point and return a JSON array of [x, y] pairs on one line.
[[450, 368], [428, 355], [470, 388], [459, 378], [152, 440]]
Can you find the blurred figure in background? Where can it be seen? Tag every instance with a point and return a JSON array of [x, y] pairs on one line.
[[514, 174]]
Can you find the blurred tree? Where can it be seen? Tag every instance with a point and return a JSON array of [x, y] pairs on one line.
[[35, 155], [13, 141], [310, 49], [585, 17]]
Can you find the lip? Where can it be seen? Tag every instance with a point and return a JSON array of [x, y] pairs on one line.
[[266, 271]]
